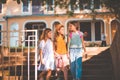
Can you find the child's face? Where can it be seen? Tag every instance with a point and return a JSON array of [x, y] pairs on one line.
[[72, 27], [49, 34], [61, 31]]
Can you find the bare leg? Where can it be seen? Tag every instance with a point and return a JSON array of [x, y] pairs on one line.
[[65, 71], [48, 74], [41, 76]]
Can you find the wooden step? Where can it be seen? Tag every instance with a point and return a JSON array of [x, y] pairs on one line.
[[31, 54], [103, 72], [12, 78], [97, 60], [94, 77]]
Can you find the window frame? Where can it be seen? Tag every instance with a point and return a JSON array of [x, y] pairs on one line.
[[92, 28], [12, 37], [35, 5], [26, 12], [100, 30], [52, 5], [1, 33], [1, 8], [26, 34]]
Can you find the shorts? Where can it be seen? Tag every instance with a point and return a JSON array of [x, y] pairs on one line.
[[61, 60]]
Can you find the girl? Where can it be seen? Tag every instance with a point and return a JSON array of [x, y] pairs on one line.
[[60, 50], [76, 46], [46, 54]]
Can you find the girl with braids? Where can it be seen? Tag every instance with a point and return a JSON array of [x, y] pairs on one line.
[[62, 60], [46, 54]]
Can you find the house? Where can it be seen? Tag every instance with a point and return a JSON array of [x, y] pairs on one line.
[[37, 15], [18, 21]]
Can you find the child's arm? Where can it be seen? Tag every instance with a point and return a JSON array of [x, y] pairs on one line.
[[41, 59], [68, 45], [41, 46], [54, 47], [84, 47]]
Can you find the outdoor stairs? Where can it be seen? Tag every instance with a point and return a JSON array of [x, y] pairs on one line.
[[97, 66]]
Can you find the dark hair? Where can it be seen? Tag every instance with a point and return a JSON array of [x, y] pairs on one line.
[[75, 24], [44, 33]]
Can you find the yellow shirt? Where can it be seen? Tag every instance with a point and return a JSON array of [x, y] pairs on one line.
[[61, 45]]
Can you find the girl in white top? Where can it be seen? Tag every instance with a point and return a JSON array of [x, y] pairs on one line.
[[46, 54]]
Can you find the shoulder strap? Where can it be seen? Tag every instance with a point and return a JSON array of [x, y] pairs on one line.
[[79, 34], [70, 35]]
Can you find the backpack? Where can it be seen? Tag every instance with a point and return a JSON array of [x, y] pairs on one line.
[[80, 33]]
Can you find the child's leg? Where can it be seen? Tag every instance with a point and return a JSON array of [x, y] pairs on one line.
[[57, 72], [48, 74], [78, 68], [41, 76], [65, 71], [65, 66], [72, 64]]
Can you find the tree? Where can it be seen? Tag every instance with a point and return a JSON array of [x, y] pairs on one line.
[[113, 6], [3, 1]]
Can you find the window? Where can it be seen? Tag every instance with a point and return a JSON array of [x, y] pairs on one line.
[[0, 34], [86, 27], [25, 6], [14, 35], [91, 30], [75, 5], [97, 31], [39, 26], [89, 4], [97, 4], [85, 4], [50, 5], [0, 7], [38, 7]]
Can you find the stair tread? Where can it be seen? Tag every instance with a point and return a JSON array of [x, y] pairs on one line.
[[106, 76]]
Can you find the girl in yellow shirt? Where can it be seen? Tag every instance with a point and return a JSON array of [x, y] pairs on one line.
[[62, 60]]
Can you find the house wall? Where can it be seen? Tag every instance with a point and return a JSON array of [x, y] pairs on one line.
[[12, 13]]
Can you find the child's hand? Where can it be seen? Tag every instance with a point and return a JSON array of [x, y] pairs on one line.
[[85, 55], [56, 54]]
